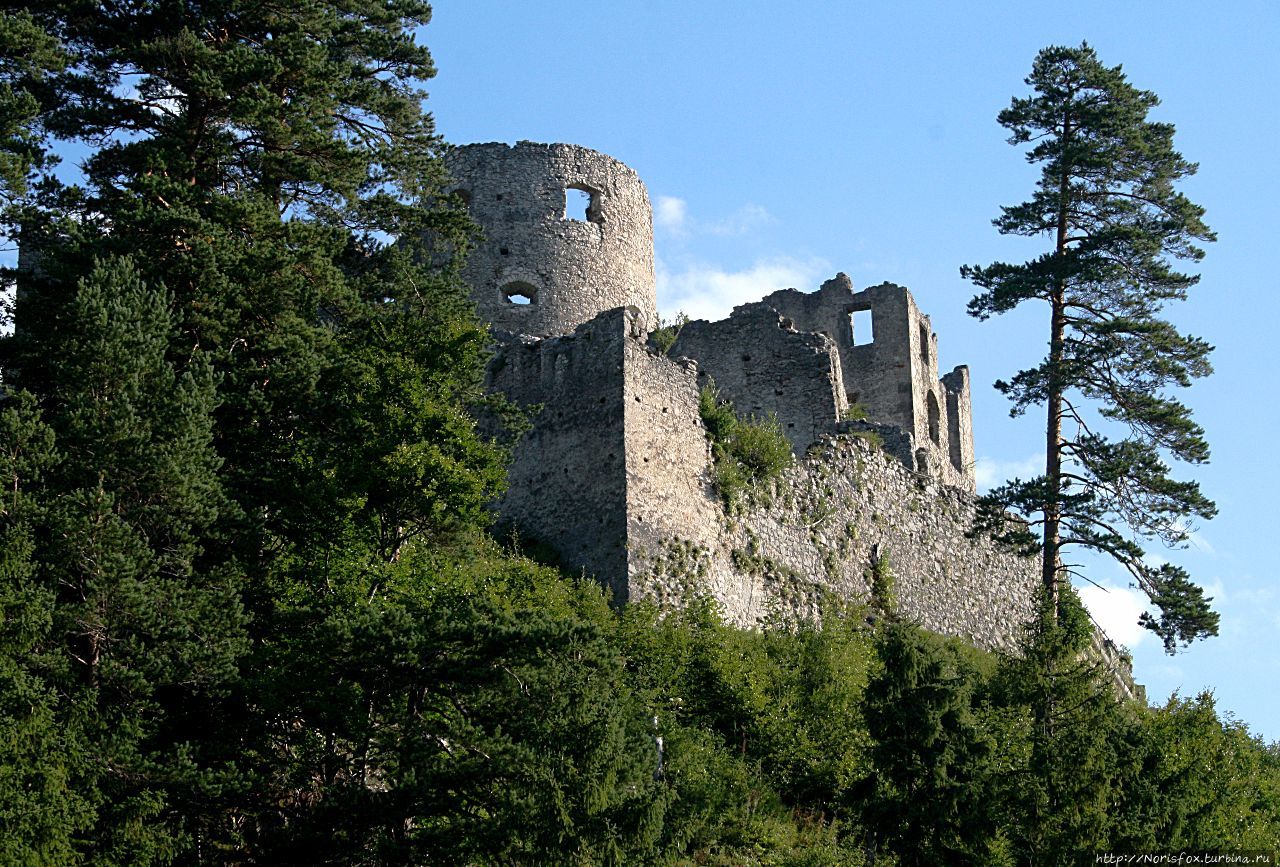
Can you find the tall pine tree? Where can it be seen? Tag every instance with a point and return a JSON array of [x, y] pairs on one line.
[[260, 192], [1107, 201]]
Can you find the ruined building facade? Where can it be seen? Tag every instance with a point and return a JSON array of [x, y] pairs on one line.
[[615, 474]]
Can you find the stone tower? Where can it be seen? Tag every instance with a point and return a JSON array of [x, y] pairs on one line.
[[568, 234], [892, 373], [895, 376]]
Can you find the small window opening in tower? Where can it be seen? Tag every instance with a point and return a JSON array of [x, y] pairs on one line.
[[935, 432], [924, 344], [860, 326], [582, 203], [520, 293], [464, 197]]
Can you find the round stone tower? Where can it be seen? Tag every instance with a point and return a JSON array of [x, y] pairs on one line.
[[568, 234]]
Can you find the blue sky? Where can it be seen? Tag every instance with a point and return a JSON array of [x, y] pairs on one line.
[[782, 142]]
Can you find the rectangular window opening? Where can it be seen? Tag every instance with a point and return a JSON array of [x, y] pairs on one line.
[[860, 326], [577, 204]]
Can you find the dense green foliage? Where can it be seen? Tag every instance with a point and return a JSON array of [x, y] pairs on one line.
[[249, 608], [747, 451], [664, 336], [1107, 202]]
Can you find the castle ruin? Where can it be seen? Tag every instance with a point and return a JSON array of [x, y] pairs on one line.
[[615, 474]]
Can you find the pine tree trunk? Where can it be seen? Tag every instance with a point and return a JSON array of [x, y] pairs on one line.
[[1052, 564], [1053, 458]]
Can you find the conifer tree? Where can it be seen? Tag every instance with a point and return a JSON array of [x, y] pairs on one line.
[[931, 755], [272, 169], [41, 809], [145, 628], [1107, 201], [1057, 796], [28, 56]]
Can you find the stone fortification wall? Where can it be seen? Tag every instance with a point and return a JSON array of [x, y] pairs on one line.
[[615, 476], [824, 312], [959, 412], [669, 490], [761, 363], [567, 482], [541, 269], [883, 374], [820, 529], [893, 372]]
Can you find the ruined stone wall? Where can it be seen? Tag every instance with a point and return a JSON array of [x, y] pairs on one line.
[[881, 375], [763, 364], [894, 376], [541, 270], [825, 311], [669, 488], [820, 529], [567, 481], [616, 477], [960, 426]]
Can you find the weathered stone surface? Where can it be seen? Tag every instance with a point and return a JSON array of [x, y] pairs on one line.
[[568, 266], [761, 363], [615, 474], [566, 486]]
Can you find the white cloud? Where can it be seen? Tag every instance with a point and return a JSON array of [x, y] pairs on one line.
[[671, 215], [991, 472], [704, 291], [1155, 561], [1116, 609], [1216, 591], [741, 221]]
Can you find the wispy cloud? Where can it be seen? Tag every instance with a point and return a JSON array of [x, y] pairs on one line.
[[1196, 539], [1200, 542], [671, 217], [741, 221], [707, 291], [990, 472], [1116, 609]]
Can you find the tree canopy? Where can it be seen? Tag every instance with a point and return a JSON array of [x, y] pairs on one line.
[[1107, 201]]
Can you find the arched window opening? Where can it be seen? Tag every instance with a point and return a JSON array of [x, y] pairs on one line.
[[520, 293], [935, 426]]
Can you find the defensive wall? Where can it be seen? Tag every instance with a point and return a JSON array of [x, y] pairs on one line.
[[615, 474], [813, 371]]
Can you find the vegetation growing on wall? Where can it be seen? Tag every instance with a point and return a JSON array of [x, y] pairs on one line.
[[748, 452], [883, 586], [664, 336]]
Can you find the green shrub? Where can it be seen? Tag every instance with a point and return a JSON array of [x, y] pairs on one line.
[[761, 447], [855, 412], [747, 451], [664, 336], [717, 415], [880, 577], [871, 437]]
